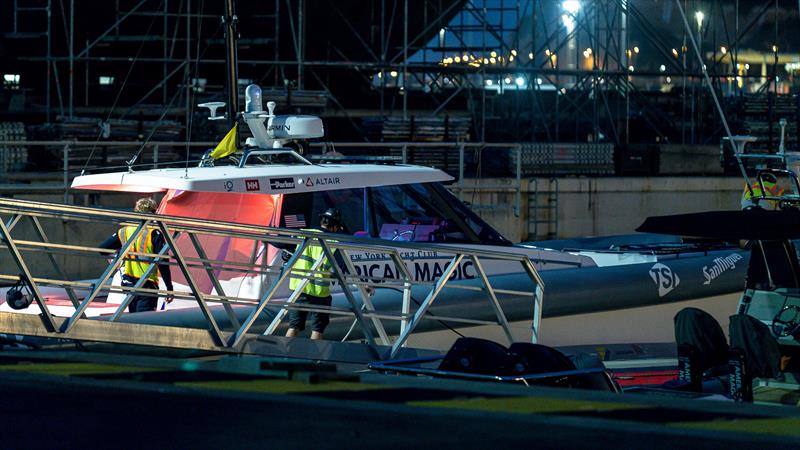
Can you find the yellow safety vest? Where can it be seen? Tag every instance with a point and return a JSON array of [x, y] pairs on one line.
[[144, 244], [317, 285], [773, 190]]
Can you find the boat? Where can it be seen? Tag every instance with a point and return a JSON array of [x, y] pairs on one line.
[[267, 183], [271, 185]]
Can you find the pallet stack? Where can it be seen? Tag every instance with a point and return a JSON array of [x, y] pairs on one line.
[[418, 129], [13, 157], [756, 113], [565, 159]]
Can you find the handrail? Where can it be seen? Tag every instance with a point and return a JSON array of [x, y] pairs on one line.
[[193, 263]]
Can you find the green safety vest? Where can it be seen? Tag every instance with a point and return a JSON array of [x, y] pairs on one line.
[[144, 244], [317, 285]]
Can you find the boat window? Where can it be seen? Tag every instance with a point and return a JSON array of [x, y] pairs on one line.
[[411, 212], [422, 213], [303, 210], [485, 233]]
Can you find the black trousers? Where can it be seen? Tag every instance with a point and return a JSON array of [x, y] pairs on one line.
[[141, 302], [319, 321]]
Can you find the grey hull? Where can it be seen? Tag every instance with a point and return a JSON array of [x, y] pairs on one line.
[[567, 292]]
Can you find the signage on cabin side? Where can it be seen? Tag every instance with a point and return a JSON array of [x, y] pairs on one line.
[[279, 184], [720, 266], [378, 272], [252, 185], [322, 181], [664, 278]]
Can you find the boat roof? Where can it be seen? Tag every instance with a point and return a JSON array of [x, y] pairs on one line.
[[264, 179]]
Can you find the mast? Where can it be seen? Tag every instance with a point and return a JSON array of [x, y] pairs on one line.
[[229, 20]]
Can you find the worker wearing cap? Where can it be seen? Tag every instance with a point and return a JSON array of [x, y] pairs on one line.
[[150, 241], [317, 291], [771, 189]]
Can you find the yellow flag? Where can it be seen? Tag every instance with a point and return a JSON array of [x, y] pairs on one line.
[[227, 145]]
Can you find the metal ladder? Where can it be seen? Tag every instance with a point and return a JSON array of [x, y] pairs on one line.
[[542, 210]]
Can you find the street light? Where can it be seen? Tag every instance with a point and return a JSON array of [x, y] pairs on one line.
[[699, 16], [571, 8]]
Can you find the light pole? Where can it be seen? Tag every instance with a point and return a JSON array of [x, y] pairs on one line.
[[699, 16]]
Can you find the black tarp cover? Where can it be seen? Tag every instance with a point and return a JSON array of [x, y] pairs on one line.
[[754, 224]]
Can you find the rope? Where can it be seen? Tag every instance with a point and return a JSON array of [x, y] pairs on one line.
[[121, 88]]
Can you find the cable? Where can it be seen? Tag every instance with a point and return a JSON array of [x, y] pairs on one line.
[[121, 88], [190, 116]]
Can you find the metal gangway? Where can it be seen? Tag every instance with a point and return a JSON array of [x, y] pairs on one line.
[[38, 263]]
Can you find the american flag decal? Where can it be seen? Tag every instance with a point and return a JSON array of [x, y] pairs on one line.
[[294, 220]]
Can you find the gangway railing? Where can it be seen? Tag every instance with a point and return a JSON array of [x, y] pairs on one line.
[[36, 265]]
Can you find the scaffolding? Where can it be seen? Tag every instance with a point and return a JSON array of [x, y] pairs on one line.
[[518, 70]]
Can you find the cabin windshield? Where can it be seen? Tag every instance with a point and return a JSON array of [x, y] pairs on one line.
[[411, 212]]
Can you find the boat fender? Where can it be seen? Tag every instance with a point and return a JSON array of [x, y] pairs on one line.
[[16, 299]]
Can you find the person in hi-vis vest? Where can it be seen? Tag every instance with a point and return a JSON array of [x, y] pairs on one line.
[[151, 241], [317, 291], [771, 189]]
